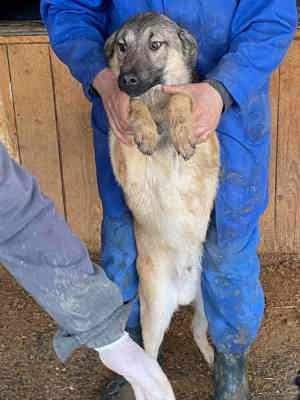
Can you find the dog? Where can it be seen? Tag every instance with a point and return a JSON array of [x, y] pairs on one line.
[[168, 180]]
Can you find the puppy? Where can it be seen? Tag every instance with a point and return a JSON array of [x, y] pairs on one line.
[[169, 181]]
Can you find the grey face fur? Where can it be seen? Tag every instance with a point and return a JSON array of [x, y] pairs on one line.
[[148, 50]]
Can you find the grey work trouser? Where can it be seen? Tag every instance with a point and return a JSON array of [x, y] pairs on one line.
[[39, 250]]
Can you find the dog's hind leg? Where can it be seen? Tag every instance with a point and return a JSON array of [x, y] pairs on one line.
[[199, 328], [158, 299]]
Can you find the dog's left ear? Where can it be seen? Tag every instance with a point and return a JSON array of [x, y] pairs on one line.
[[189, 46], [110, 46]]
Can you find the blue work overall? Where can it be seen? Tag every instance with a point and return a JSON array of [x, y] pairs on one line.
[[239, 44]]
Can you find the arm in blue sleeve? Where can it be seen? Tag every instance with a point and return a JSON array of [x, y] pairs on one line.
[[261, 33], [77, 34]]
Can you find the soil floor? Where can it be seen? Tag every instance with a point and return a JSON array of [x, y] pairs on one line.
[[29, 369]]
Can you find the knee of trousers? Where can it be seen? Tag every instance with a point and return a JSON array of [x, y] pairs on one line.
[[233, 296]]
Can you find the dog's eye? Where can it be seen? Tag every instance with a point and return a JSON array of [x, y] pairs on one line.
[[122, 47], [155, 45]]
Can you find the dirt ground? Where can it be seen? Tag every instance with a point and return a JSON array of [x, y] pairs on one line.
[[30, 371]]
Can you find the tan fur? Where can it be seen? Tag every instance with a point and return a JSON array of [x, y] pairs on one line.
[[171, 200], [143, 127], [181, 125]]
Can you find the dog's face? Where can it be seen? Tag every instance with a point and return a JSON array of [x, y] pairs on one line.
[[148, 50]]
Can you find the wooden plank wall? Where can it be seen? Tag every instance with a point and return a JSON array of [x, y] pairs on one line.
[[268, 229], [49, 123], [280, 223], [288, 154]]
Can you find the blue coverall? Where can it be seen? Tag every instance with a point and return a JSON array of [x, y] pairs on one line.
[[239, 44]]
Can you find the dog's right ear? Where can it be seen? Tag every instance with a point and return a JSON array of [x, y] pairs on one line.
[[189, 46], [110, 46]]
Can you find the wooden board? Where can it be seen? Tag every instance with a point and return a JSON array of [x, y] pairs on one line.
[[38, 39], [288, 156], [7, 98], [32, 91], [79, 174], [22, 28], [268, 225]]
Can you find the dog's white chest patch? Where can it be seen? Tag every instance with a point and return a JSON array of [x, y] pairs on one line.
[[158, 195]]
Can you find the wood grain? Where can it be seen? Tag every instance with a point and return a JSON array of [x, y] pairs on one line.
[[22, 28], [35, 116], [82, 201], [268, 225], [7, 104], [33, 39], [288, 156]]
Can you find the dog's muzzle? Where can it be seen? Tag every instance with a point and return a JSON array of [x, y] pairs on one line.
[[128, 82], [131, 84]]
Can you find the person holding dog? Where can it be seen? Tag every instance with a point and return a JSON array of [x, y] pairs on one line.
[[240, 43]]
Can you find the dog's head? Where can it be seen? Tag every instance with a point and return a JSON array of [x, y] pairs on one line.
[[148, 50]]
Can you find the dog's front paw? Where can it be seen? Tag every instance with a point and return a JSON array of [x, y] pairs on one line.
[[145, 136], [143, 127], [182, 137], [181, 125]]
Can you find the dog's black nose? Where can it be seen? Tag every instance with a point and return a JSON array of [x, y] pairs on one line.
[[128, 82], [129, 79]]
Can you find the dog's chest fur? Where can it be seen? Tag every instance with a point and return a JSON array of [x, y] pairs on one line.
[[164, 185], [170, 198]]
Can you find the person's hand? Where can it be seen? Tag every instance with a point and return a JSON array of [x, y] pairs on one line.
[[144, 374], [207, 107], [116, 104]]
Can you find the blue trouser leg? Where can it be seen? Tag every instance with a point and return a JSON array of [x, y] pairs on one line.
[[233, 296], [118, 251]]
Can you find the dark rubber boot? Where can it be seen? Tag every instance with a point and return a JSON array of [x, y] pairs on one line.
[[297, 382], [119, 388], [230, 377]]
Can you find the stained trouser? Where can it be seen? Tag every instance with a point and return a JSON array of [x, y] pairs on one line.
[[233, 296], [39, 250]]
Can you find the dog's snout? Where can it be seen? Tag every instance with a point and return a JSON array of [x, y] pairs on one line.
[[129, 83], [137, 83], [129, 79]]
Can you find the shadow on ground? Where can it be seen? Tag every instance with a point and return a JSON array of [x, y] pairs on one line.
[[30, 371]]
